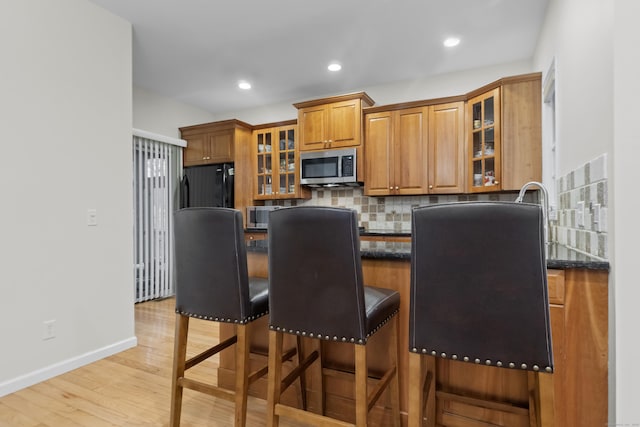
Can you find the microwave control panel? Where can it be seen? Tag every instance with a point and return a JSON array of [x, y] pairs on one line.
[[347, 166]]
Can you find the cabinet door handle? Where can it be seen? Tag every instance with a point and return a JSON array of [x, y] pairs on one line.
[[396, 187], [391, 188], [431, 187], [496, 182]]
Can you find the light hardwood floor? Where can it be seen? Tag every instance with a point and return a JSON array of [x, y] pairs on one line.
[[131, 388]]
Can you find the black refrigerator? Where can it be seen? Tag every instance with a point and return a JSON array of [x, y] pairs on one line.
[[208, 185]]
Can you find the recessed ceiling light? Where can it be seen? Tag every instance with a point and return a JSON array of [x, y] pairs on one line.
[[334, 66], [451, 42], [244, 85]]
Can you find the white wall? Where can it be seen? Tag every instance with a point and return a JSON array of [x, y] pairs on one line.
[[597, 89], [164, 116], [65, 115], [579, 34], [443, 85], [626, 176]]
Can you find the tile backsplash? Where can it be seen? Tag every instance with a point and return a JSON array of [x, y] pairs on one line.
[[385, 213], [582, 208], [585, 186]]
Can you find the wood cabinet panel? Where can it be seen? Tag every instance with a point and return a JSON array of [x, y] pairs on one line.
[[586, 346], [211, 143], [521, 133], [345, 123], [579, 329], [313, 127], [446, 149], [410, 151], [379, 160], [333, 122], [221, 146], [276, 162], [515, 127], [194, 153], [414, 151], [221, 142]]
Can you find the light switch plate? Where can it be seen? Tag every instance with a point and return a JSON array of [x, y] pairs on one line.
[[580, 214], [92, 217]]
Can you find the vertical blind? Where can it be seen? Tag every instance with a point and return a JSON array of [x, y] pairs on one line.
[[157, 163]]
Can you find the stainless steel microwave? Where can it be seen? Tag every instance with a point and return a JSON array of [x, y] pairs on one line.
[[258, 216], [336, 166]]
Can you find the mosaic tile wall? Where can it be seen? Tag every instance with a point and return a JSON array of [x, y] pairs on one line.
[[386, 213], [586, 186]]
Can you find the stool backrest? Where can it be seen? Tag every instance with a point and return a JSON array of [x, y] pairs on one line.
[[315, 273], [479, 284], [211, 264]]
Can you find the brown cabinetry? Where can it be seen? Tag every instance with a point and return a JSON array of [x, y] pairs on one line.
[[211, 143], [220, 142], [332, 122], [417, 150], [579, 325], [276, 162], [504, 134]]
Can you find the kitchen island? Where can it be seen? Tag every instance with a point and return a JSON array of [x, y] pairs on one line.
[[578, 296]]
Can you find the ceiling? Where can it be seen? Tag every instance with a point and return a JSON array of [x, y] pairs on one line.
[[196, 51]]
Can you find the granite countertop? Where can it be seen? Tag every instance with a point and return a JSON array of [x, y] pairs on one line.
[[560, 256]]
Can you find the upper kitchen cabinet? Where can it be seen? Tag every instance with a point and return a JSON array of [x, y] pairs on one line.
[[276, 162], [333, 122], [414, 149], [504, 134], [211, 143]]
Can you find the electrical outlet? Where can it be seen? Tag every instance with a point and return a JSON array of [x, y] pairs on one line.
[[580, 214], [48, 331], [597, 218]]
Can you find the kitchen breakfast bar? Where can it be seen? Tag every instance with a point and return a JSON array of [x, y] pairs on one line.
[[578, 297]]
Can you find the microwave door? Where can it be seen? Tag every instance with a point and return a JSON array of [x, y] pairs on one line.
[[320, 168]]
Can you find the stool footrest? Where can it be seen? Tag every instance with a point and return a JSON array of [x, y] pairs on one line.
[[210, 352], [207, 389], [483, 403], [380, 387], [298, 370], [309, 417]]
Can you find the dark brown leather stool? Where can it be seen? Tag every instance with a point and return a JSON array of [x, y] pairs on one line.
[[212, 283], [316, 291], [479, 295]]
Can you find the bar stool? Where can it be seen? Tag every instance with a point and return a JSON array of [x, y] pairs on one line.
[[316, 291], [479, 295], [212, 283]]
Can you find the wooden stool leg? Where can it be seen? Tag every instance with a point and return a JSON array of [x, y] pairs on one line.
[[275, 377], [242, 375], [361, 385], [429, 388], [315, 373], [547, 399], [179, 357], [302, 377], [416, 381], [541, 397], [394, 385]]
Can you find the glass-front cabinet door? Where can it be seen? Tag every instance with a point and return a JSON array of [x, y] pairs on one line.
[[277, 170], [484, 134], [264, 155]]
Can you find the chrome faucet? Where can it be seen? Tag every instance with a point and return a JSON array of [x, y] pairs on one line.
[[545, 207]]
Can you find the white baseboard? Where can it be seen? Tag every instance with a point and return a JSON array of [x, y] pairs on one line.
[[56, 369]]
